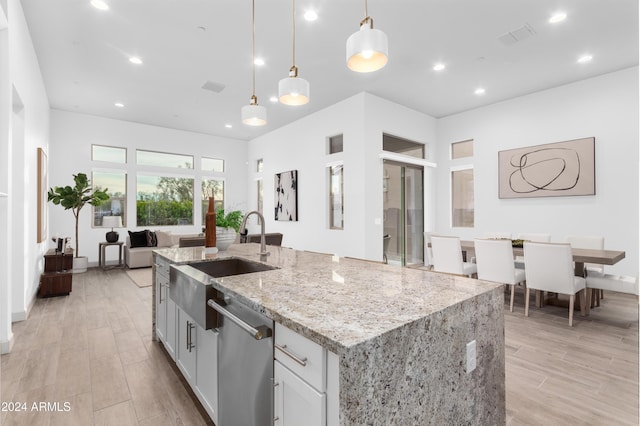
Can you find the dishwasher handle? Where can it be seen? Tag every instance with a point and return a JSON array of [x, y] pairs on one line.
[[258, 333]]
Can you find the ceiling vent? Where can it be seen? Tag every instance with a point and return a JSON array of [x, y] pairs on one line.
[[517, 35], [213, 86]]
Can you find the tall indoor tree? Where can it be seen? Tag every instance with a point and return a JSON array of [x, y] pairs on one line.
[[75, 197]]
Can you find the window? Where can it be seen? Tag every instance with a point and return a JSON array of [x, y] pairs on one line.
[[116, 184], [462, 204], [336, 197], [402, 146], [211, 165], [335, 144], [260, 194], [212, 188], [163, 159], [164, 200], [259, 165], [462, 149], [109, 154]]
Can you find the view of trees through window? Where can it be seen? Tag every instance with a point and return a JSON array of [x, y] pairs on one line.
[[163, 200], [212, 188], [116, 185]]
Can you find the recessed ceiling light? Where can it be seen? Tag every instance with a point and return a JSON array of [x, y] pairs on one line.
[[310, 15], [228, 126], [99, 4], [557, 17], [439, 67], [119, 104], [273, 99], [259, 62], [135, 60], [479, 91], [584, 59]]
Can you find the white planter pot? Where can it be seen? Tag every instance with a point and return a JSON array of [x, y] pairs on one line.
[[224, 237], [80, 264]]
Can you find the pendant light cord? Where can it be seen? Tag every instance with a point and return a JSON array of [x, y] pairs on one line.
[[293, 35], [253, 46]]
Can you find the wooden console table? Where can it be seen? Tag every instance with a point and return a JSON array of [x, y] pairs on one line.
[[57, 276]]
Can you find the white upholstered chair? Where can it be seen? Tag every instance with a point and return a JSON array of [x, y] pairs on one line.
[[550, 269], [447, 256], [494, 259], [428, 251], [537, 238], [588, 242], [610, 282]]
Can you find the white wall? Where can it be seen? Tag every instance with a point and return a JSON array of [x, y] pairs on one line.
[[73, 134], [302, 146], [28, 117], [605, 107]]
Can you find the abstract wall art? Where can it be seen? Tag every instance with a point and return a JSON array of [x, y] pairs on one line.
[[551, 170], [286, 196]]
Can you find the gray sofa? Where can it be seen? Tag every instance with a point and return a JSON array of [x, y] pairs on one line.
[[142, 257]]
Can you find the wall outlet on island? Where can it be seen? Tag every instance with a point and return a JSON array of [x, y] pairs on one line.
[[471, 356]]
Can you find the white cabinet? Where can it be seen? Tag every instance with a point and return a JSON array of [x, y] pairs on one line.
[[295, 401], [165, 309], [186, 350], [207, 371], [305, 381]]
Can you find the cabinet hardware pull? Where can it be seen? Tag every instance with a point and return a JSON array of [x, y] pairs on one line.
[[160, 299], [191, 327], [188, 337], [283, 349], [276, 418]]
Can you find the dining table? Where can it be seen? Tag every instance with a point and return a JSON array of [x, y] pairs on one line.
[[580, 257]]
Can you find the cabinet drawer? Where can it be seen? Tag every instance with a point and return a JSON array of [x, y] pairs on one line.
[[302, 356], [162, 266], [295, 402]]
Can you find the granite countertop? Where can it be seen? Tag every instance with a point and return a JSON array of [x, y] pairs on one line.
[[337, 304]]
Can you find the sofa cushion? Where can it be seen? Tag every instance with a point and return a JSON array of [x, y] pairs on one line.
[[151, 238], [138, 239], [163, 239]]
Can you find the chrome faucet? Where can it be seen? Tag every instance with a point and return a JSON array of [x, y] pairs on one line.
[[243, 231]]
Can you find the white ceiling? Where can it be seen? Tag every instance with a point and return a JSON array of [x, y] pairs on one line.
[[83, 54]]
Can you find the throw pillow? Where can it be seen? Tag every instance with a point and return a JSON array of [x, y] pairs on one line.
[[138, 239], [151, 238], [163, 239]]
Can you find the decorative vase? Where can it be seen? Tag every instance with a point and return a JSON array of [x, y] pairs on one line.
[[80, 264], [210, 226], [225, 237]]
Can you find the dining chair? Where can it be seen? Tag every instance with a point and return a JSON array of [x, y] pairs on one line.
[[618, 283], [593, 269], [550, 269], [447, 256], [494, 260], [537, 238]]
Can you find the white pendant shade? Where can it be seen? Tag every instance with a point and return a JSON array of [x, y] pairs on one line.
[[254, 115], [293, 91], [367, 49]]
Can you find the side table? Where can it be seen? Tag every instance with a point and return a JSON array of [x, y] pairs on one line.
[[56, 279], [101, 255]]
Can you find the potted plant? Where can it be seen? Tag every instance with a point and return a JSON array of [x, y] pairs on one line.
[[227, 226], [74, 198]]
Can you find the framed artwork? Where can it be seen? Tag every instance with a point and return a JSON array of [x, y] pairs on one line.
[[42, 196], [551, 170], [286, 196]]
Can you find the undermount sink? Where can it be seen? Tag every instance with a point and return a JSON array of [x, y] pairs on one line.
[[232, 266]]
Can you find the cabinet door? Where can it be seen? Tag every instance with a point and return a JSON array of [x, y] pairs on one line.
[[170, 335], [295, 402], [207, 371], [161, 308], [186, 350]]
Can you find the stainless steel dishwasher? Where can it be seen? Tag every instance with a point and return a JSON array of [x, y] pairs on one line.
[[245, 364]]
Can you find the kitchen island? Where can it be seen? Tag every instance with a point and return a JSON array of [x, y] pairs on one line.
[[401, 335]]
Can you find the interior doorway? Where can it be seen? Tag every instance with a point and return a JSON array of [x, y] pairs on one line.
[[403, 195]]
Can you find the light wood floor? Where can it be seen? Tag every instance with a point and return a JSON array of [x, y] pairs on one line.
[[93, 349]]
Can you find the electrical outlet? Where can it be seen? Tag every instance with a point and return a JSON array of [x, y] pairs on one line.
[[471, 356]]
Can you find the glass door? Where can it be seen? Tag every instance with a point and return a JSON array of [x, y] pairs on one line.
[[403, 213]]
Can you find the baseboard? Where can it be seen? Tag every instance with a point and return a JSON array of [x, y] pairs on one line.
[[23, 315], [6, 345]]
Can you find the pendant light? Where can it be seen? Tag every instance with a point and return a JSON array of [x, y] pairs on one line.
[[367, 49], [293, 90], [253, 114]]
